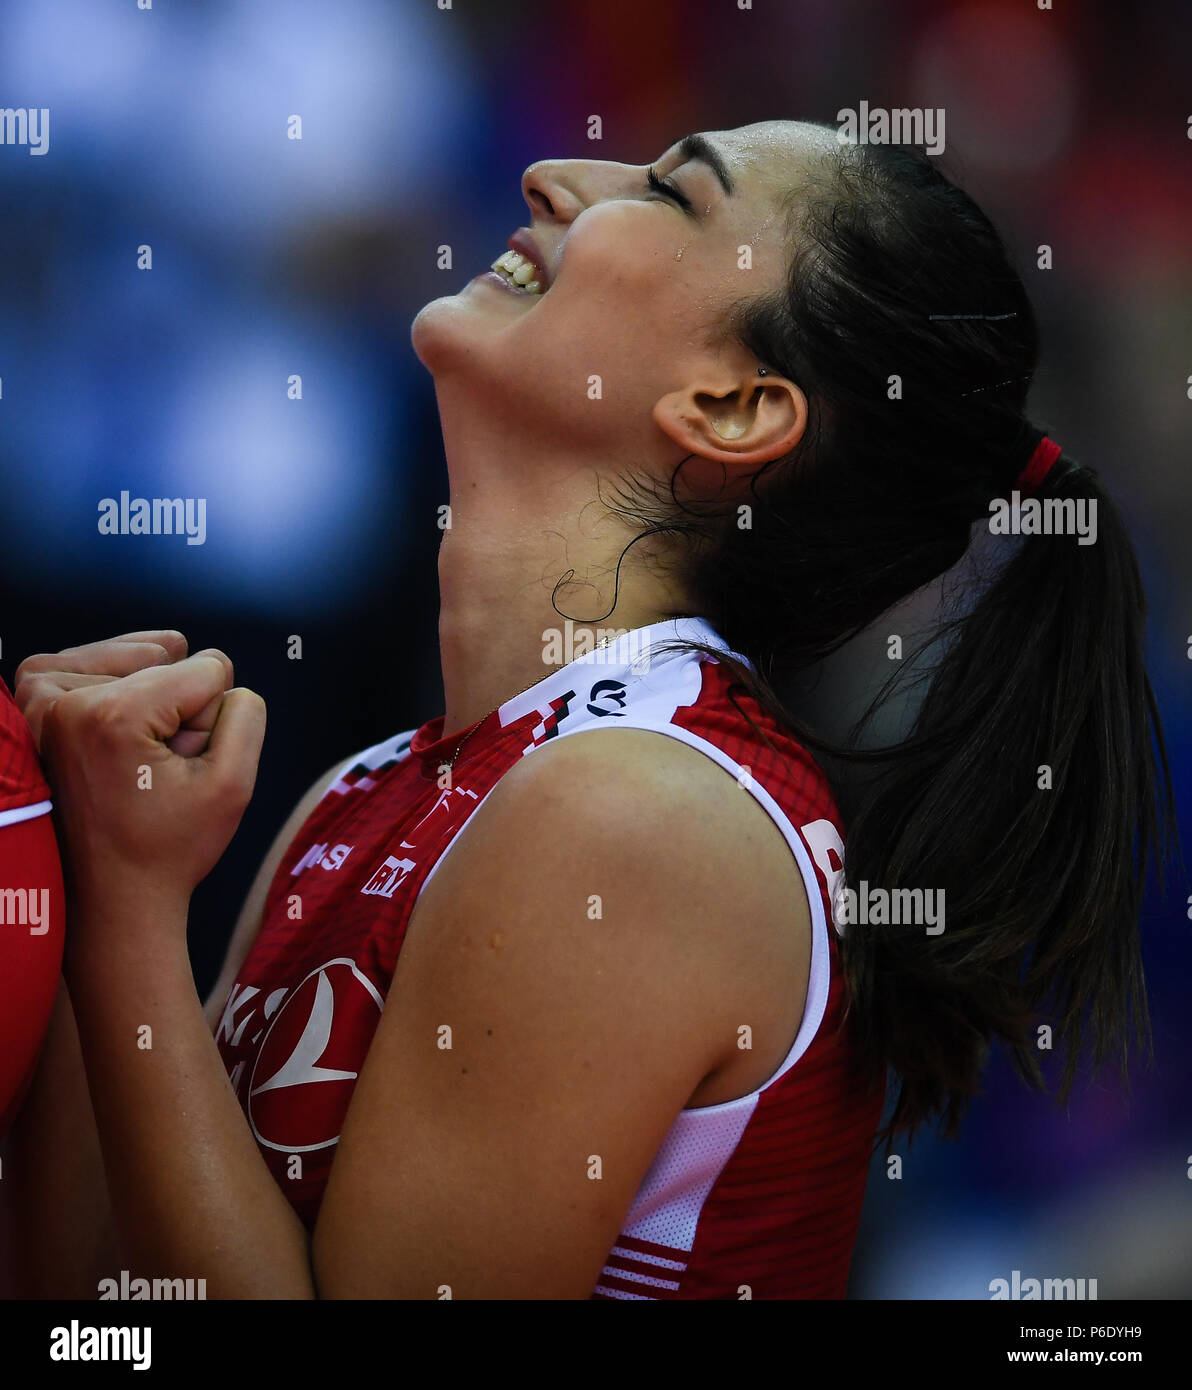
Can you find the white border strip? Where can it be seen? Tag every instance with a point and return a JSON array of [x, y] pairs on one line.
[[20, 813]]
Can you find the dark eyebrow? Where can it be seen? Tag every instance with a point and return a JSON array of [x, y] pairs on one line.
[[696, 147]]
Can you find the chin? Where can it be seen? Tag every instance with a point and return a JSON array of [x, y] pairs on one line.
[[447, 331], [430, 330]]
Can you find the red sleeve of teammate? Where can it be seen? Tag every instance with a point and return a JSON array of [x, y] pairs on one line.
[[32, 911]]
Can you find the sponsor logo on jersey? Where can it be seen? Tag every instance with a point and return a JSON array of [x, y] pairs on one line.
[[396, 868], [385, 880], [324, 858], [605, 694], [302, 1079]]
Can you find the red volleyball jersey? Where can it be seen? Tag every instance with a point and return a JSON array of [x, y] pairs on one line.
[[756, 1197], [23, 790], [32, 909]]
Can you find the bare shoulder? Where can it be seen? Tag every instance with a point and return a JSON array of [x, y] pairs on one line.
[[652, 800], [575, 973], [645, 864]]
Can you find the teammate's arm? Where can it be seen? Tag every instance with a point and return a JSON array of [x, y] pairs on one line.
[[61, 1239], [32, 912], [56, 1210], [30, 960]]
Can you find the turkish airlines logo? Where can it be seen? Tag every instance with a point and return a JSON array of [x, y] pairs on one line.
[[304, 1074]]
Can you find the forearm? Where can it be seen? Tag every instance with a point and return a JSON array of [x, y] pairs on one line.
[[190, 1193], [57, 1218]]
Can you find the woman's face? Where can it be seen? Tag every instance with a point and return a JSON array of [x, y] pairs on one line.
[[633, 285]]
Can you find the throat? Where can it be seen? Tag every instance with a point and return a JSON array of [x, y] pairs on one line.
[[529, 568]]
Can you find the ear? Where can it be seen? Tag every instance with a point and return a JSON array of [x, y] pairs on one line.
[[746, 420]]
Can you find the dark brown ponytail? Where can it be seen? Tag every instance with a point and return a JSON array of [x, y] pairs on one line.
[[1033, 788]]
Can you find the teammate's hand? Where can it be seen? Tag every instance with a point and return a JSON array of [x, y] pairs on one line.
[[42, 678], [131, 809]]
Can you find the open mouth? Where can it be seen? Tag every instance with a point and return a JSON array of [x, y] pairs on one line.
[[520, 272]]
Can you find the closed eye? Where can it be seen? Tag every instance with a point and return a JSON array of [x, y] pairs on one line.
[[668, 190]]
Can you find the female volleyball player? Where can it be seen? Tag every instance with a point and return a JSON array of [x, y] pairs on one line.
[[572, 1014]]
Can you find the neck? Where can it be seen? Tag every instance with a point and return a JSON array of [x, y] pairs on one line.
[[514, 533]]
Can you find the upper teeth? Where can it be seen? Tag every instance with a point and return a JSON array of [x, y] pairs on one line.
[[520, 270]]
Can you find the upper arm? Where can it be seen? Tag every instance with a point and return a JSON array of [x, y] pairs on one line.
[[575, 968], [248, 924]]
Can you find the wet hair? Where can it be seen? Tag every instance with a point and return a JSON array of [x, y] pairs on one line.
[[913, 339]]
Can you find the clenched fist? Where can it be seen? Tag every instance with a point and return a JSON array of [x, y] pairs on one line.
[[151, 755]]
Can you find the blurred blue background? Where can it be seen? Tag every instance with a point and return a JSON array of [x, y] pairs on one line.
[[274, 257]]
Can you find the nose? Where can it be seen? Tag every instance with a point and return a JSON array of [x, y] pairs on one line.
[[561, 189], [548, 190]]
